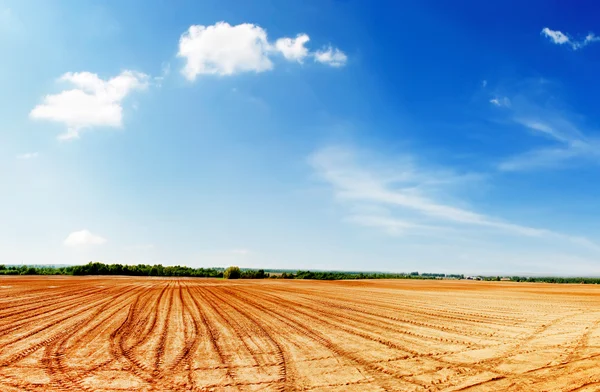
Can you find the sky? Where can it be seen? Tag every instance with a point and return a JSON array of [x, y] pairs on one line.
[[431, 136]]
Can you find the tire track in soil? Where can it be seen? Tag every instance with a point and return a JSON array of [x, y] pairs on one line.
[[27, 302], [362, 309], [583, 342], [226, 318], [407, 352], [59, 308], [191, 339], [238, 332], [127, 329], [55, 352], [466, 368], [31, 349], [286, 377], [160, 348], [213, 335], [274, 319], [386, 378], [480, 366], [473, 368], [22, 295], [408, 307], [390, 327], [585, 386], [424, 307]]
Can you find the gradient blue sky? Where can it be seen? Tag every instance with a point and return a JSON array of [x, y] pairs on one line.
[[432, 136]]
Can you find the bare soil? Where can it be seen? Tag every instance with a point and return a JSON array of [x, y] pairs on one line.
[[147, 334]]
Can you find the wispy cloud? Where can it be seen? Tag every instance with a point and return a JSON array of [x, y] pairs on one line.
[[28, 155], [500, 101], [559, 38], [165, 70], [567, 142], [413, 192], [331, 56], [395, 226]]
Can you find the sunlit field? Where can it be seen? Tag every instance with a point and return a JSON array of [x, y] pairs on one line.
[[117, 334]]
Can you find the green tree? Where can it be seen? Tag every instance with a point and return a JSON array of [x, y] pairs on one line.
[[232, 273]]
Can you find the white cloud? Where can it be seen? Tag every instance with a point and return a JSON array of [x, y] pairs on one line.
[[223, 49], [484, 83], [293, 49], [93, 102], [500, 102], [83, 238], [28, 155], [559, 38], [411, 191], [590, 38], [556, 36], [331, 56]]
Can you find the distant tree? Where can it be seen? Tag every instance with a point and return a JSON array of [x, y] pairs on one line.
[[29, 271], [232, 273]]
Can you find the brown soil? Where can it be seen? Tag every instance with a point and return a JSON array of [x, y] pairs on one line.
[[146, 334]]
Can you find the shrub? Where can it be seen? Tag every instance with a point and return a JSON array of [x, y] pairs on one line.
[[232, 273]]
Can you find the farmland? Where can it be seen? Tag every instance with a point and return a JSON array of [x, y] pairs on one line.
[[159, 334]]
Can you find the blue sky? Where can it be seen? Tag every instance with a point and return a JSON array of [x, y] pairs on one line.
[[430, 136]]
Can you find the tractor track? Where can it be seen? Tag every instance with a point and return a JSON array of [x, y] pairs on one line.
[[165, 334]]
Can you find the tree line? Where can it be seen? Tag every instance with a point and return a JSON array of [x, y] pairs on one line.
[[97, 268]]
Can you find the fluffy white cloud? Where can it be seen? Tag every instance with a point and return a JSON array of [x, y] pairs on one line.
[[331, 56], [293, 49], [28, 155], [223, 49], [83, 238], [93, 102], [559, 38]]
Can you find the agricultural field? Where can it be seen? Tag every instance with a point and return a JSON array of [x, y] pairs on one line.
[[161, 334]]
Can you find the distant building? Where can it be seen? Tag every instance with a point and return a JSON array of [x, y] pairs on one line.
[[505, 279]]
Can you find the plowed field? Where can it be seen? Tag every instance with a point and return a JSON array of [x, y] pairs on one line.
[[130, 334]]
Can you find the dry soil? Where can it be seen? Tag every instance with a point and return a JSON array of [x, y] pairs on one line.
[[146, 334]]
